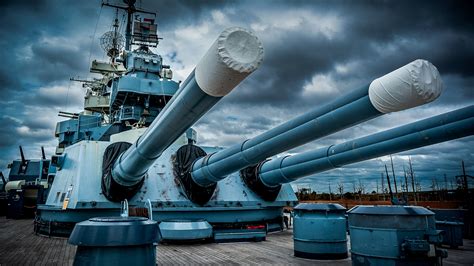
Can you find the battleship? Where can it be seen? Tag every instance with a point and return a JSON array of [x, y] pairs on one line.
[[133, 151]]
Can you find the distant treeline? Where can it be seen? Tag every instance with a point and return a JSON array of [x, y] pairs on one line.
[[306, 194]]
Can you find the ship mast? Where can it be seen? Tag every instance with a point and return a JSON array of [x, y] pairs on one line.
[[131, 9], [115, 51]]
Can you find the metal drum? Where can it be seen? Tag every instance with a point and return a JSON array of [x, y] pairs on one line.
[[394, 235], [452, 233], [457, 216], [115, 241], [319, 231]]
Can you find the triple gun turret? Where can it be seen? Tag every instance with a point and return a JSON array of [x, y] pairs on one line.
[[237, 53]]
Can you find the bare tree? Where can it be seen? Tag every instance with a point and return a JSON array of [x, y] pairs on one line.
[[394, 177], [330, 192], [412, 176], [435, 188], [433, 185], [377, 186], [402, 187], [418, 188], [406, 179], [360, 190], [388, 183], [383, 186], [445, 182], [340, 188]]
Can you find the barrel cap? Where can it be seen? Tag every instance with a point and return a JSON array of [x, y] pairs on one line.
[[390, 210], [414, 84], [319, 207], [235, 54], [114, 231]]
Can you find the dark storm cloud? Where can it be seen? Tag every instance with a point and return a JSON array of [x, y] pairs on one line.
[[173, 13], [433, 30], [6, 131], [40, 42], [459, 88], [290, 64], [378, 37], [7, 80], [62, 61]]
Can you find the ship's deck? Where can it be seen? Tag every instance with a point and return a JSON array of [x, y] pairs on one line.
[[20, 246]]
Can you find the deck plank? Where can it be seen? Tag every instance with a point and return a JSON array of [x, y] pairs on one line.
[[20, 246]]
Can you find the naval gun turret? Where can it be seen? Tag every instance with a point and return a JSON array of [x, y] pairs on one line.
[[235, 54], [28, 184], [142, 149]]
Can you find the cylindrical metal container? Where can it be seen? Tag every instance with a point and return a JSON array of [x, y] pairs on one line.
[[319, 231], [393, 235], [115, 241], [452, 233]]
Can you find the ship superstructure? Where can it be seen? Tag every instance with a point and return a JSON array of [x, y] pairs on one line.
[[133, 88]]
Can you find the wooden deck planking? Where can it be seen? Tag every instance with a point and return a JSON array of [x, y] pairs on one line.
[[20, 246]]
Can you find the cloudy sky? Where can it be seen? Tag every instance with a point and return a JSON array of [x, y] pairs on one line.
[[315, 51]]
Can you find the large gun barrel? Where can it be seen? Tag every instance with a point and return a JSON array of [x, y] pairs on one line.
[[233, 56], [414, 84], [444, 127]]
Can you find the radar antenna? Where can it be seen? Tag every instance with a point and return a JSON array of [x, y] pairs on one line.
[[131, 9], [112, 41]]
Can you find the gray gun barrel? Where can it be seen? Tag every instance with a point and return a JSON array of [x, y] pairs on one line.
[[444, 127], [234, 55], [414, 84]]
